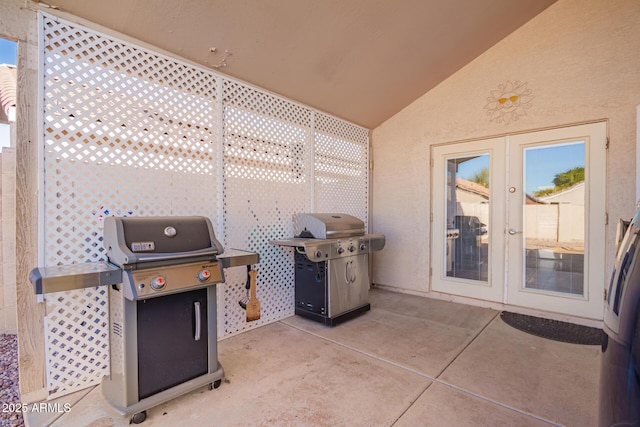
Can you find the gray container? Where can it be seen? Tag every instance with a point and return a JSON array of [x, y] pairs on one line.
[[620, 361]]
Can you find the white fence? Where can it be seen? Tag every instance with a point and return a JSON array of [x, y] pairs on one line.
[[562, 223]]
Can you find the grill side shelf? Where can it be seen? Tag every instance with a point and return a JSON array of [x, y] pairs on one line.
[[90, 274], [237, 258], [75, 276]]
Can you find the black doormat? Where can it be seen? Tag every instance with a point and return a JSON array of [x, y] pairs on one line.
[[554, 329]]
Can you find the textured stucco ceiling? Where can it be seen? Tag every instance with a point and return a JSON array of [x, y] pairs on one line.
[[360, 60]]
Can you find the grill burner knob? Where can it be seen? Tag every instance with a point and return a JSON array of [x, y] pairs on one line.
[[318, 254], [340, 250], [158, 283], [204, 275], [352, 248], [363, 246]]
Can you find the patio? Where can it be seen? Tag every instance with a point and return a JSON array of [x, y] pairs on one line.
[[409, 361]]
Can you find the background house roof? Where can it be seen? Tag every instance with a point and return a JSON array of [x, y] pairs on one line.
[[7, 90], [360, 60]]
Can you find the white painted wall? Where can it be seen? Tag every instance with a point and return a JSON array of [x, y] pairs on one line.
[[580, 60]]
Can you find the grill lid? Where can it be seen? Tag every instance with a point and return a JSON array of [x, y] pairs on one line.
[[131, 240], [327, 225]]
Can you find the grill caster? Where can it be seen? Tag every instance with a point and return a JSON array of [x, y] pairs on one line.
[[139, 417], [215, 384]]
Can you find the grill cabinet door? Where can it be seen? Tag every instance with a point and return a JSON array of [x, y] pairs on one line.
[[310, 285], [348, 283], [168, 351]]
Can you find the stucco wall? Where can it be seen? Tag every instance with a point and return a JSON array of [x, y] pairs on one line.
[[579, 58]]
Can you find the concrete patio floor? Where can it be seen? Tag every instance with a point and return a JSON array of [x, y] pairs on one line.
[[410, 361]]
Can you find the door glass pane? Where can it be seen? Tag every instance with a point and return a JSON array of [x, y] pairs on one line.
[[467, 217], [554, 217]]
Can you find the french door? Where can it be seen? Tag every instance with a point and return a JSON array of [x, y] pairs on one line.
[[467, 232], [520, 219]]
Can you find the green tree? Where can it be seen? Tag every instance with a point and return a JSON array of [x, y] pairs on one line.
[[569, 178], [481, 177], [563, 180]]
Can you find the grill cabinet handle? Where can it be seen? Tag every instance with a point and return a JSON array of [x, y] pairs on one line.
[[196, 306], [353, 273], [349, 274], [346, 272]]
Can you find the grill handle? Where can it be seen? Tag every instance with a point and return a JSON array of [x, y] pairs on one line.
[[171, 256], [196, 307]]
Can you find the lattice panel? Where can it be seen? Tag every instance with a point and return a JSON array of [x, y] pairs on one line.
[[341, 167], [128, 131], [77, 339], [261, 105], [265, 183]]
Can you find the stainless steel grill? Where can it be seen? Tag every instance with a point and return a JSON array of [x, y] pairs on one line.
[[162, 273], [331, 266]]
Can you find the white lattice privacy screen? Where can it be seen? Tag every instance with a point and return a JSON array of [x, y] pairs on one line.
[[128, 131]]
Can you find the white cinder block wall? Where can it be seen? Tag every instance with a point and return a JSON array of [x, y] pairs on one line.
[[8, 312]]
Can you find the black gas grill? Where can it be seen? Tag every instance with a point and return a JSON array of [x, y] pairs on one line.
[[162, 273], [163, 315]]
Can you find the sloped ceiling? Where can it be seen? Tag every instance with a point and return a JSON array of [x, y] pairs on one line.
[[360, 60]]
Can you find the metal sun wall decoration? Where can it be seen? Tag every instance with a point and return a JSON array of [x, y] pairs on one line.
[[509, 102]]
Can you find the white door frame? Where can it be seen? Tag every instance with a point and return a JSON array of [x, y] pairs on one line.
[[506, 259]]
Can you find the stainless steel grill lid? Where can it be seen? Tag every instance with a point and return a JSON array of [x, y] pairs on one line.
[[327, 226], [132, 240]]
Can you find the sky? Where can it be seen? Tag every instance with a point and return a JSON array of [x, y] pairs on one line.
[[468, 168], [8, 51], [542, 164]]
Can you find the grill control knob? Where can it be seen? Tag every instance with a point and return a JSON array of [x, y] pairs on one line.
[[158, 283], [318, 254], [352, 248], [204, 275], [340, 250], [363, 246]]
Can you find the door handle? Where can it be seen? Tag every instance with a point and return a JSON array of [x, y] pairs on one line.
[[513, 231]]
